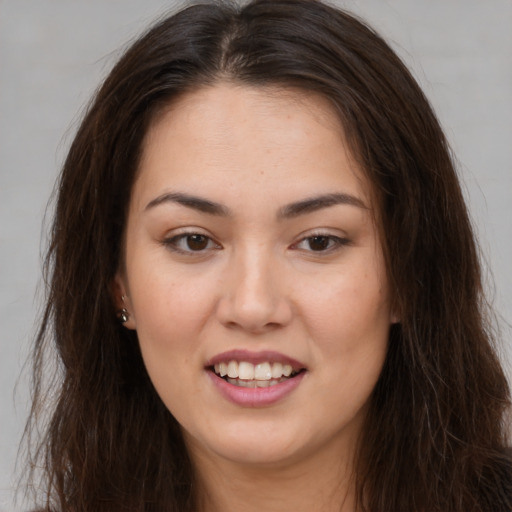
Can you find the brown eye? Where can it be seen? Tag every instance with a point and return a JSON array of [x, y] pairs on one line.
[[319, 243], [189, 243], [197, 242]]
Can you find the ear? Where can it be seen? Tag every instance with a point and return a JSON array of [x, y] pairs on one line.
[[394, 316], [121, 300]]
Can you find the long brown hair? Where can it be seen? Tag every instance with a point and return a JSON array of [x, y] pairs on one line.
[[435, 435]]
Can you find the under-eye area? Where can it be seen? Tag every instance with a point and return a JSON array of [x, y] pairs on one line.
[[261, 375]]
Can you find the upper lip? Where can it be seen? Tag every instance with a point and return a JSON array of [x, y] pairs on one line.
[[254, 358]]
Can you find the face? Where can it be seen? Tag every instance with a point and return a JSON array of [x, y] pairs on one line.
[[254, 275]]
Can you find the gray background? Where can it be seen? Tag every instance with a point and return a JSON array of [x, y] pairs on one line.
[[54, 52]]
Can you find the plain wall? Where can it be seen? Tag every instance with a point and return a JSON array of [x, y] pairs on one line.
[[54, 52]]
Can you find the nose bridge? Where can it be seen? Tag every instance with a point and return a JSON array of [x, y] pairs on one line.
[[253, 274], [254, 298]]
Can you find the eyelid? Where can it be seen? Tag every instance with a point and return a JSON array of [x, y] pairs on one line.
[[339, 239], [171, 240]]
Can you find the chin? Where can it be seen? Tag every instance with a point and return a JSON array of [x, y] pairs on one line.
[[258, 445]]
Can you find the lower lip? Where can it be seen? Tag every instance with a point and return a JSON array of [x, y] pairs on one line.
[[255, 397]]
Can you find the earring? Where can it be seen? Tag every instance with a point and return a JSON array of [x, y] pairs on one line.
[[123, 315]]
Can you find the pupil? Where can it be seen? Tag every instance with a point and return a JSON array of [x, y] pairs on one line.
[[319, 243], [197, 242]]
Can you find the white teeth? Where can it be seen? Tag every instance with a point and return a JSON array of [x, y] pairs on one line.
[[246, 371], [277, 370], [260, 373], [254, 383], [232, 369], [223, 369]]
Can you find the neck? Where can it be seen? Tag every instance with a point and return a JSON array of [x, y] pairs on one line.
[[322, 482]]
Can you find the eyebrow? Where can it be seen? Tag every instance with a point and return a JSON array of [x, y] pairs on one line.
[[314, 204], [291, 210], [193, 202]]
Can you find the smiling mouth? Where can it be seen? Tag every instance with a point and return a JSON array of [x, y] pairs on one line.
[[248, 375]]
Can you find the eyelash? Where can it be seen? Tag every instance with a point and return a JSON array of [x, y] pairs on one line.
[[334, 242], [173, 243]]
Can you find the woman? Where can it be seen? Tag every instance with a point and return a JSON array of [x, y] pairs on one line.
[[264, 287]]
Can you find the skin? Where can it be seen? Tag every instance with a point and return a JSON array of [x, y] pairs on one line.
[[258, 281]]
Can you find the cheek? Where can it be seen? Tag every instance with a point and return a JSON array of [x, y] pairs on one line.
[[169, 310], [348, 308], [169, 314], [349, 325]]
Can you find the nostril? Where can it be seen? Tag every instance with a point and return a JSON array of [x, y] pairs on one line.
[[253, 302]]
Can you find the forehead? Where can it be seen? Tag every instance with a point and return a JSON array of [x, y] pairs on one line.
[[269, 98], [224, 107], [230, 134]]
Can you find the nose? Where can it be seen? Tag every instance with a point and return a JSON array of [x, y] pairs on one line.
[[254, 294]]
